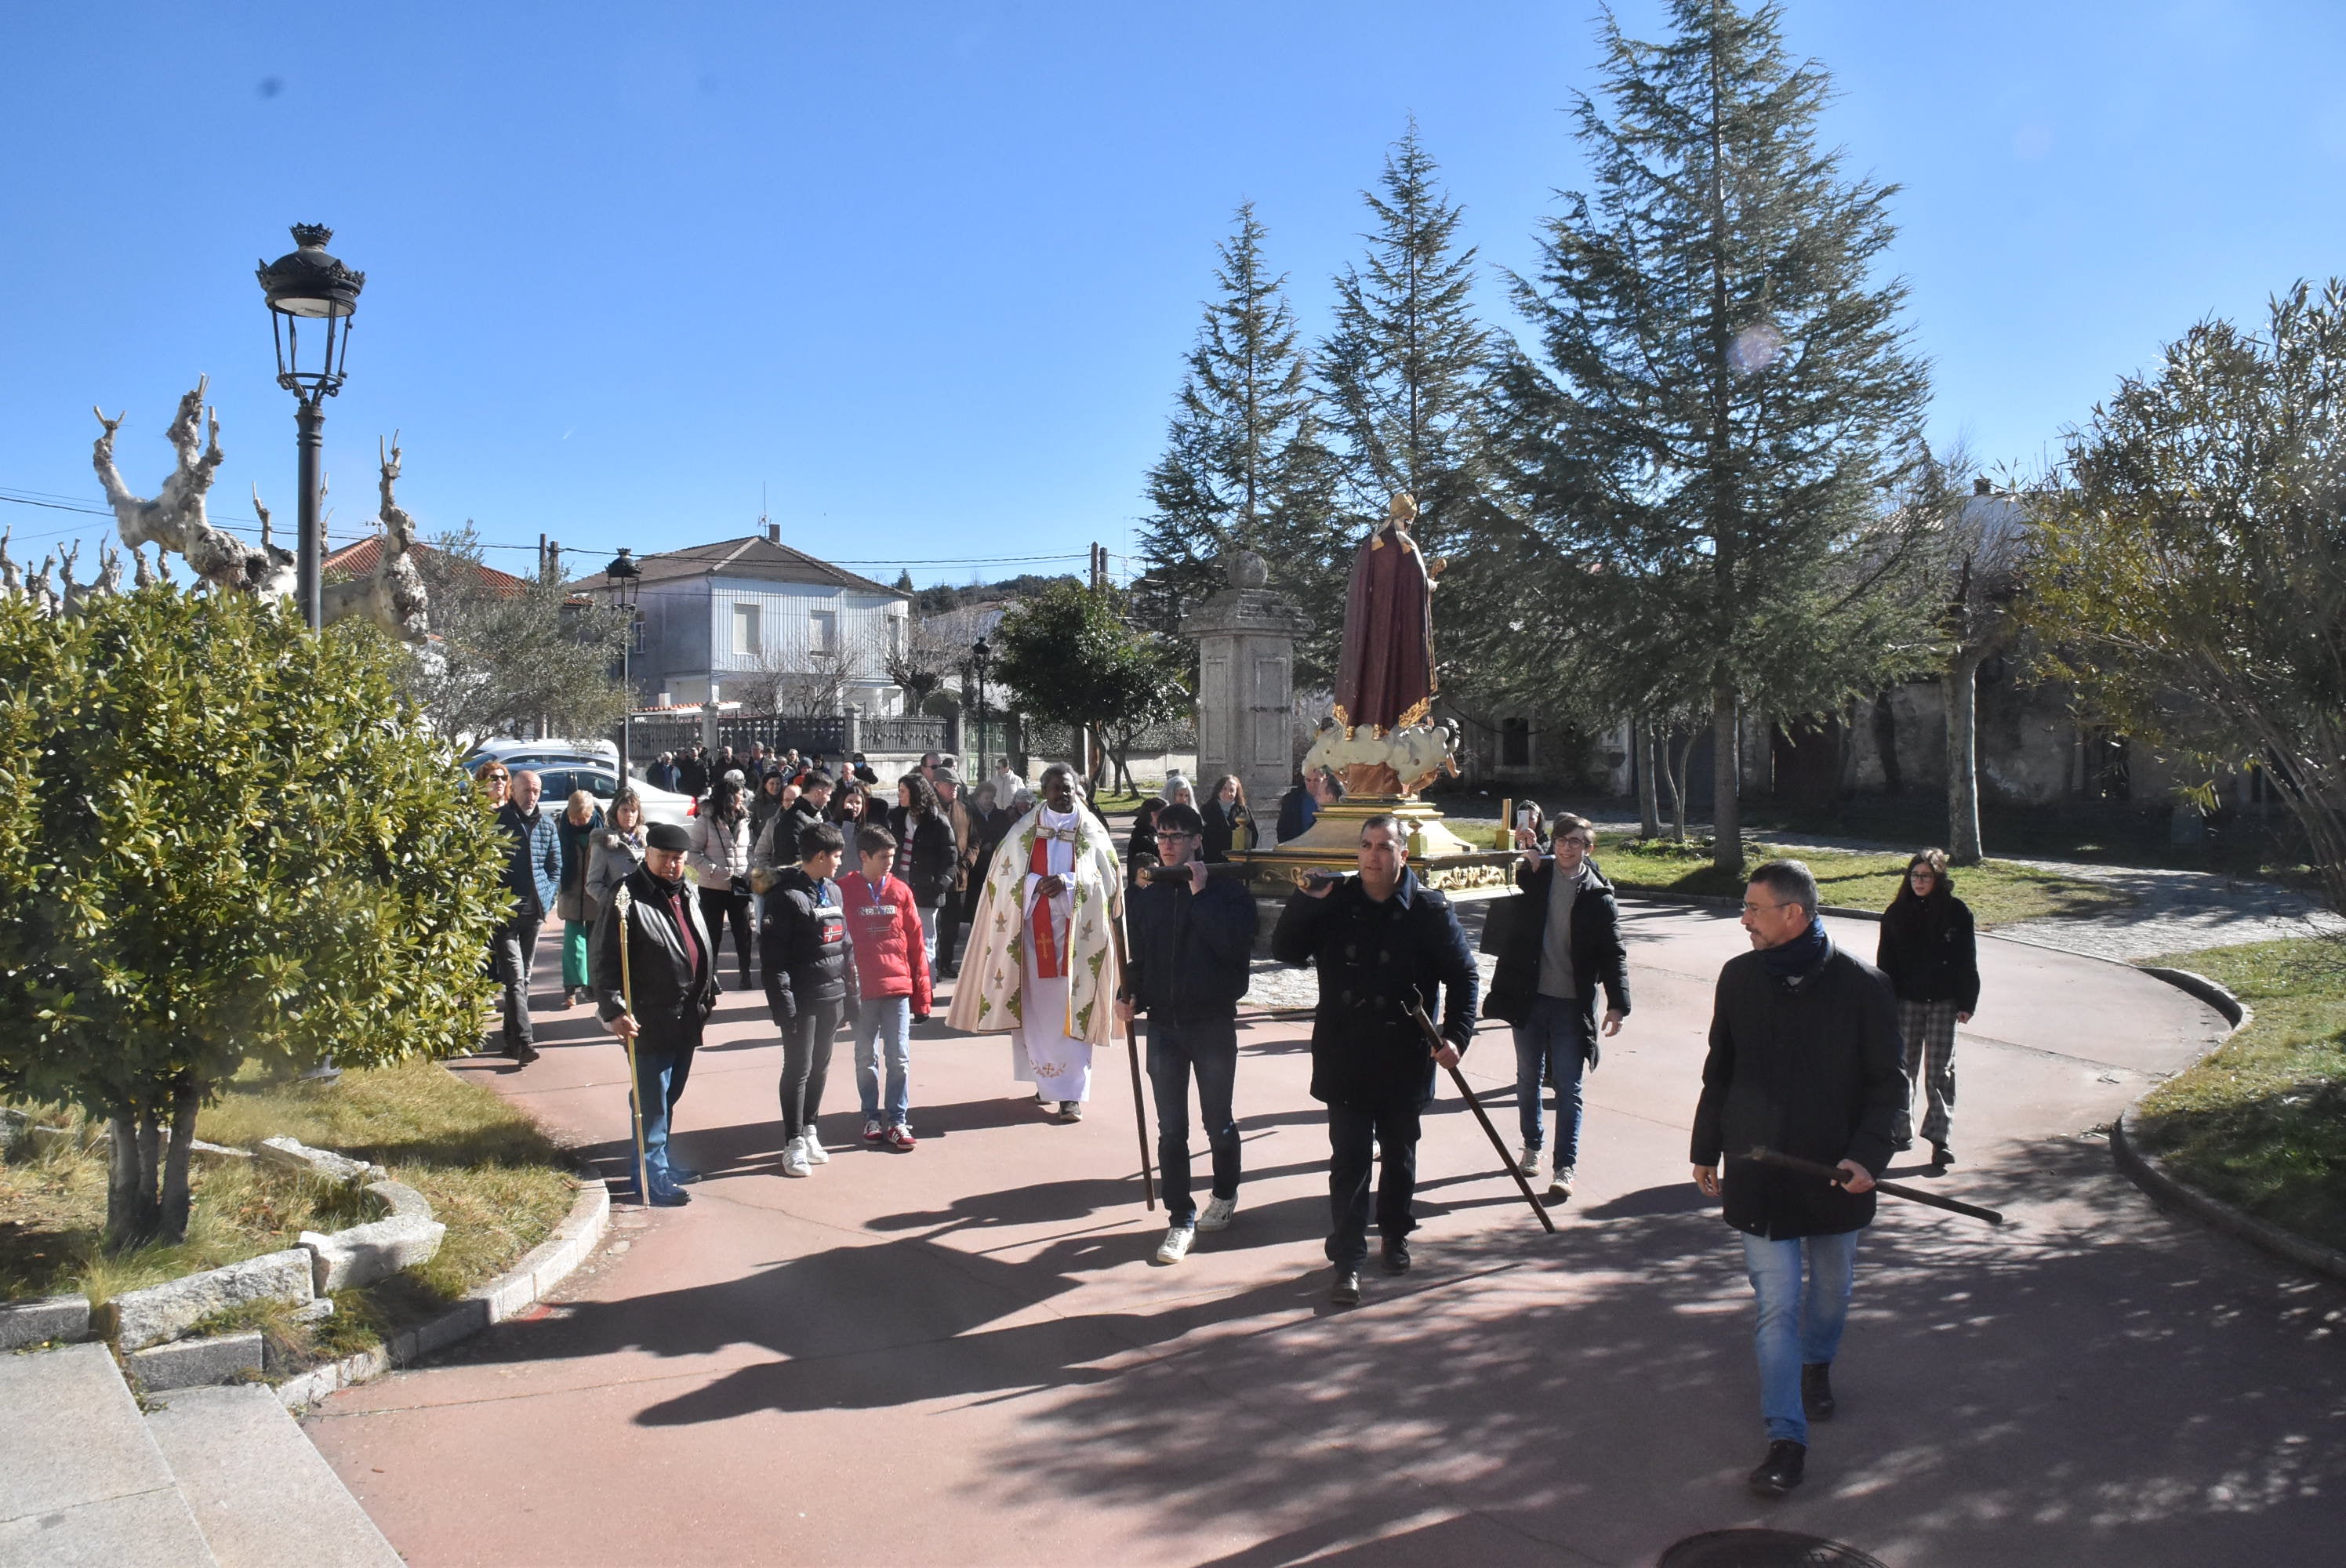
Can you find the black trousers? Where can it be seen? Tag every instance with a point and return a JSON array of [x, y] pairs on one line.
[[1355, 1135], [951, 912], [717, 906], [806, 1063]]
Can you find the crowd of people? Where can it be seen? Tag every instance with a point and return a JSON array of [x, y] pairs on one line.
[[1811, 1050]]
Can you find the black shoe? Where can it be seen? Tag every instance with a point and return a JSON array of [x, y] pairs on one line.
[[1816, 1391], [1347, 1290], [1397, 1254], [525, 1054], [667, 1195], [682, 1176], [1942, 1157], [1780, 1470]]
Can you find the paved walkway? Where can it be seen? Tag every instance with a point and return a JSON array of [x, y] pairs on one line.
[[2167, 911], [963, 1355]]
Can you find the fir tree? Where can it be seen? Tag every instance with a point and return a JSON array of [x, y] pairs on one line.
[[1724, 393], [1243, 465], [1405, 377]]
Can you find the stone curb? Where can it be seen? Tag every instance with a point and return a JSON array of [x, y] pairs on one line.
[[2148, 1172], [515, 1291]]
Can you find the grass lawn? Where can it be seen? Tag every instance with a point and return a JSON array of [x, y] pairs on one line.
[[1998, 891], [2261, 1122], [497, 1181]]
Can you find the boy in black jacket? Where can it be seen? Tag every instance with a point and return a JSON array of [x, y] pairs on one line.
[[1192, 940], [809, 985]]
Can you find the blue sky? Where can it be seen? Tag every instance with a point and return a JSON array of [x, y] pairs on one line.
[[925, 272]]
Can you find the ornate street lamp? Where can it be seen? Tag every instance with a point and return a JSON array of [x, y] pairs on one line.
[[980, 655], [626, 579], [310, 286]]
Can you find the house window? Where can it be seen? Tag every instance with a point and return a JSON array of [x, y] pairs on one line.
[[1515, 743], [824, 637], [745, 631]]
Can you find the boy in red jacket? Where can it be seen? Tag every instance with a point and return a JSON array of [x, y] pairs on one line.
[[883, 933]]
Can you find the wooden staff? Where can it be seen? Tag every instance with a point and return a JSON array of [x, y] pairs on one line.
[[1760, 1154], [1434, 1040], [622, 902], [1132, 1052]]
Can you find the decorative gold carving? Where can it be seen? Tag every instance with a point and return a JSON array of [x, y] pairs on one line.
[[1419, 712]]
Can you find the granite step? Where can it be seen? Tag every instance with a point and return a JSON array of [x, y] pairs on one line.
[[260, 1491], [82, 1481]]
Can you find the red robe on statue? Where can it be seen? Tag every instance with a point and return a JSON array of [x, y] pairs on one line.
[[1387, 667]]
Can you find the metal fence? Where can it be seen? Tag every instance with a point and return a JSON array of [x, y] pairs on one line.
[[902, 734]]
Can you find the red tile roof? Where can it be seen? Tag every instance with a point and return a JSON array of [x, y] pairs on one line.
[[361, 559]]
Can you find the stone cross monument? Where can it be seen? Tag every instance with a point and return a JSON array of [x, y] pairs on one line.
[[1246, 656]]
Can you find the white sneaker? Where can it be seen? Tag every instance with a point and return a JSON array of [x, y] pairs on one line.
[[1528, 1160], [1217, 1213], [1176, 1245], [815, 1153], [794, 1159]]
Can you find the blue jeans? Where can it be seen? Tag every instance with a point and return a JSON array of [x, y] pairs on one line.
[[1211, 1048], [663, 1063], [1553, 1041], [884, 1021], [1799, 1325]]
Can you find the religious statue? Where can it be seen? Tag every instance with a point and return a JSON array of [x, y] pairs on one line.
[[1386, 681]]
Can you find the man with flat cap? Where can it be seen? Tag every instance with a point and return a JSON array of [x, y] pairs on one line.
[[674, 981]]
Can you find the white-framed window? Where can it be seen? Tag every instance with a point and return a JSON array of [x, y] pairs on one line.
[[822, 630], [745, 630]]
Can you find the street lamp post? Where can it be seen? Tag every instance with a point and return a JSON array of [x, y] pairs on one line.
[[311, 286], [981, 656], [626, 578]]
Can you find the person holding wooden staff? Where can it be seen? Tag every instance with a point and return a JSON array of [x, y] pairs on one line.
[[1192, 936], [1804, 1059], [1381, 940], [675, 982]]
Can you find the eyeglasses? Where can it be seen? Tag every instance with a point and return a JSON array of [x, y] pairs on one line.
[[1184, 838], [1750, 908], [1575, 843]]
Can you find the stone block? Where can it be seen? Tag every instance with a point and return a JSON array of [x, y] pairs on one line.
[[264, 1492], [50, 1318], [505, 1295], [366, 1253], [398, 1198], [193, 1363], [290, 1154], [144, 1530], [160, 1312], [70, 1436], [218, 1151], [323, 1307], [15, 1127]]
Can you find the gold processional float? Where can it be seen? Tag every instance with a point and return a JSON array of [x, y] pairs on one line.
[[1382, 739]]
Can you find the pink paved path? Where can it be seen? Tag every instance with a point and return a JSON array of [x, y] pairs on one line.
[[965, 1354]]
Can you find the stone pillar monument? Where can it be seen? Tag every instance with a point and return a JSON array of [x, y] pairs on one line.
[[1246, 657]]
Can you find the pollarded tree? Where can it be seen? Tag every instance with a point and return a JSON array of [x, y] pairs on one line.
[[1244, 463], [514, 655], [222, 839], [2193, 568], [1728, 389]]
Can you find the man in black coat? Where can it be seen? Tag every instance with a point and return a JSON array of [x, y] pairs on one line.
[[1561, 946], [675, 981], [1805, 1060], [1381, 940], [1192, 936]]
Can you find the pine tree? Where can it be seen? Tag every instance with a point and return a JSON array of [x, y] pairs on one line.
[[1405, 375], [1724, 393], [1244, 466]]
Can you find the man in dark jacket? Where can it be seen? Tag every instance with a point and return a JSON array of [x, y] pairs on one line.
[[674, 978], [1561, 946], [1804, 1060], [534, 877], [1192, 937], [809, 986], [1381, 940]]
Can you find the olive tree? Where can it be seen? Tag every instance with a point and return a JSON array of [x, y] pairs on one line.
[[222, 839]]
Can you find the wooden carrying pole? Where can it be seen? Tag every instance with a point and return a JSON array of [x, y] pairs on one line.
[[622, 902], [1139, 1105], [1435, 1042], [1767, 1157]]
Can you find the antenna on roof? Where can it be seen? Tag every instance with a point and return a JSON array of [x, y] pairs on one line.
[[772, 530]]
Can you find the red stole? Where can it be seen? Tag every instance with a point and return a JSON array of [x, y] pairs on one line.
[[1050, 963]]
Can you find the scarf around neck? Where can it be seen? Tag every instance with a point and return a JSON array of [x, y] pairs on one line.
[[1796, 962]]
